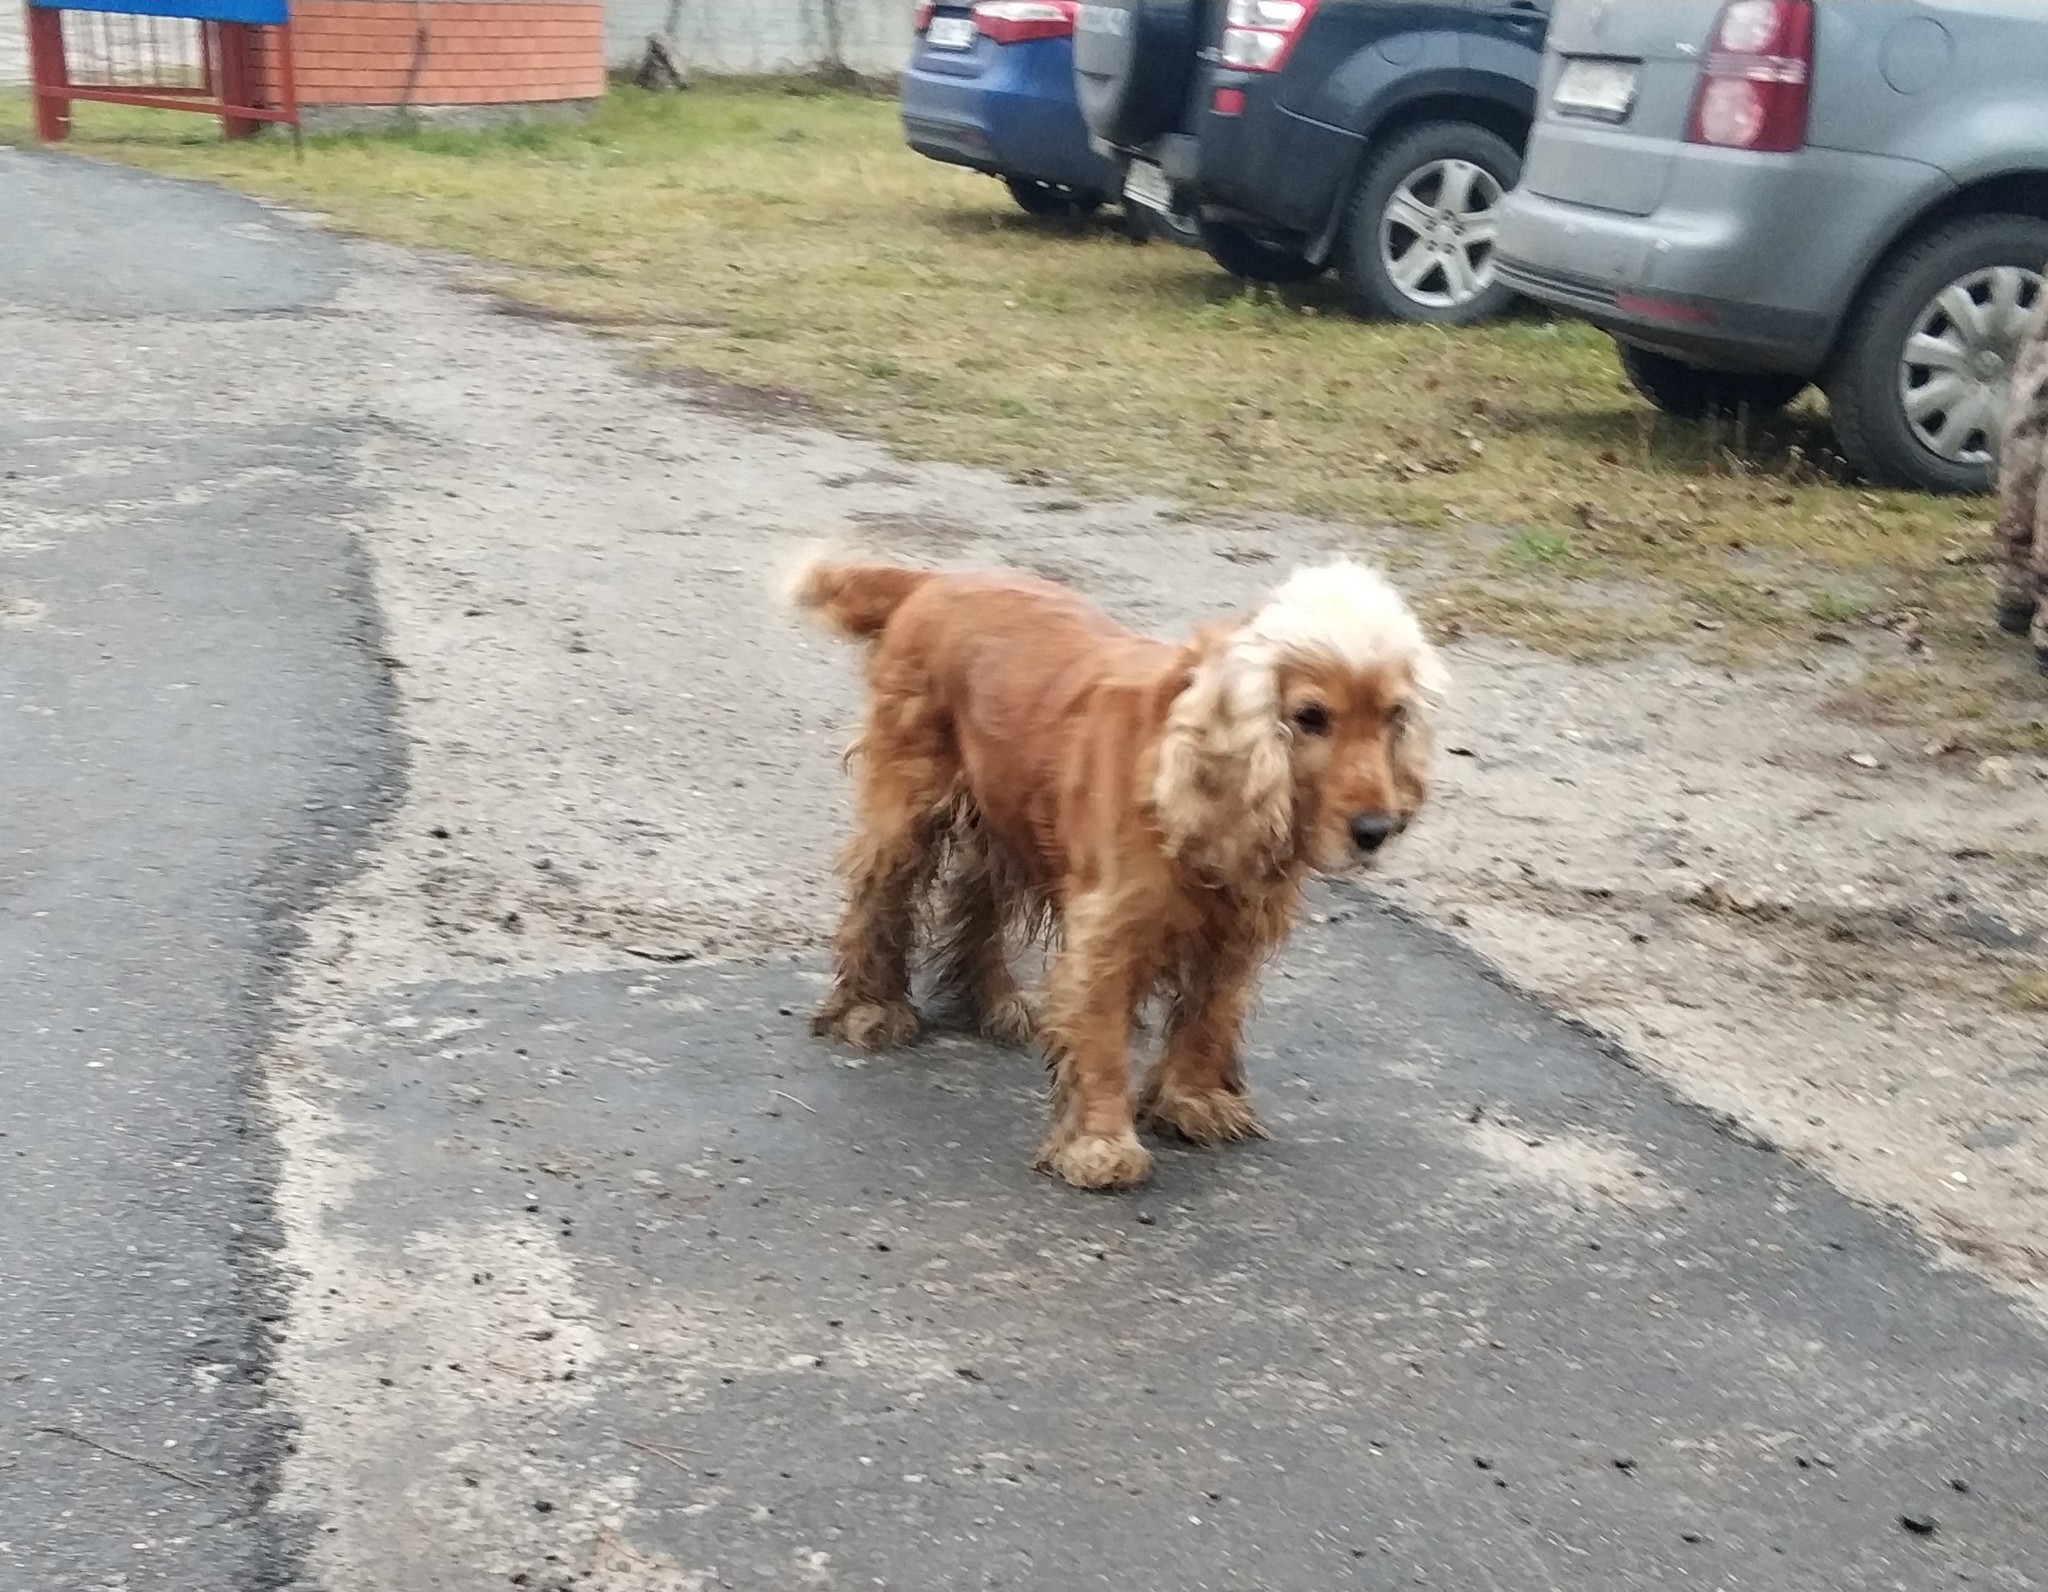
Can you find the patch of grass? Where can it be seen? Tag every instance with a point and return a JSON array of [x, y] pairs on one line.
[[1835, 608], [2015, 734], [1538, 547], [1581, 622], [787, 240], [1997, 710], [2028, 993]]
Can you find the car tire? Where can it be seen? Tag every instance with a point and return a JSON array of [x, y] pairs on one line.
[[1052, 200], [1693, 392], [1247, 255], [1451, 282], [1882, 399]]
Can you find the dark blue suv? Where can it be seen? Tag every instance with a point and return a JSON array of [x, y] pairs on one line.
[[1373, 136], [990, 86]]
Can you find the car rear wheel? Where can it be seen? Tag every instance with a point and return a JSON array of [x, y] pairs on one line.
[[1246, 254], [1052, 199], [1693, 392], [1919, 387], [1418, 243]]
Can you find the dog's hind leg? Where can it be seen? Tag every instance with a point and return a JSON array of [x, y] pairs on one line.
[[977, 904], [2023, 493], [905, 785], [1197, 1088]]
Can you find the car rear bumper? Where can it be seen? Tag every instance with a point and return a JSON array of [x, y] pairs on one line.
[[1711, 332], [1745, 261], [1018, 118], [959, 143]]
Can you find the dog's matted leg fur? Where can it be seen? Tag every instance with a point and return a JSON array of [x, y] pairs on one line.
[[2022, 491], [2022, 525], [978, 904], [1197, 1087], [1091, 1000], [905, 791]]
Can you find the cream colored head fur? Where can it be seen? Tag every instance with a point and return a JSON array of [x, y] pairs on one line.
[[1349, 613], [1224, 784]]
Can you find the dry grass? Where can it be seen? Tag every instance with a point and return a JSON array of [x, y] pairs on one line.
[[789, 241], [2028, 993]]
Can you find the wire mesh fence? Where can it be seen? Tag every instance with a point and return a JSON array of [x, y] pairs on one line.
[[13, 48], [232, 60], [167, 55]]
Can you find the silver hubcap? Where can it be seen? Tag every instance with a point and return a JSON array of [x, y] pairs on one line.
[[1436, 237], [1956, 370]]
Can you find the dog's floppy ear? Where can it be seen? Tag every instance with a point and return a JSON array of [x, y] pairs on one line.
[[1224, 790]]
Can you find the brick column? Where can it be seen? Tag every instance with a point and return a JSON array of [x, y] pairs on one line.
[[363, 53]]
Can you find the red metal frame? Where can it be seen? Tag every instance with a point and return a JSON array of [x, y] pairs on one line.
[[229, 68]]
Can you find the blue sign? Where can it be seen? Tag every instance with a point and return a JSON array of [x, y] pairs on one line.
[[260, 13]]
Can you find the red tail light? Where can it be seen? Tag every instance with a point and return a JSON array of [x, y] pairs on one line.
[[924, 14], [1758, 78], [1259, 35], [1020, 21]]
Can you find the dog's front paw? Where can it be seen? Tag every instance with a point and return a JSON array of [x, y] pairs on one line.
[[1010, 1021], [1095, 1161], [1208, 1116], [867, 1025]]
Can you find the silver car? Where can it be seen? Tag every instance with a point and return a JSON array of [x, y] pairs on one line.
[[1761, 195]]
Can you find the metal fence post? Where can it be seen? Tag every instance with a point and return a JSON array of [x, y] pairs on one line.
[[48, 75]]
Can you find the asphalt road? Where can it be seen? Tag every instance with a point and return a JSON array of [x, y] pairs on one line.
[[608, 1276], [1491, 1312], [193, 738]]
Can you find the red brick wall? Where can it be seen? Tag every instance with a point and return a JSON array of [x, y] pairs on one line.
[[479, 52]]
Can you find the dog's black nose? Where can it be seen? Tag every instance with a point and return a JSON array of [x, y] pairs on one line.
[[1370, 831]]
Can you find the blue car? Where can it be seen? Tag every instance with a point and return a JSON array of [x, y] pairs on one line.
[[991, 86]]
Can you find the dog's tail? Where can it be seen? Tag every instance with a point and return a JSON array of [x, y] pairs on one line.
[[856, 600]]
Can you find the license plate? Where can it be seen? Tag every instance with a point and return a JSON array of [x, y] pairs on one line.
[[950, 33], [1605, 90], [1146, 184]]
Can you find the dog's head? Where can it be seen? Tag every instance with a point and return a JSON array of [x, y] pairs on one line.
[[1302, 735]]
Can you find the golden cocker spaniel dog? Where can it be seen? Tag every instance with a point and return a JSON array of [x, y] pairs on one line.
[[1027, 764]]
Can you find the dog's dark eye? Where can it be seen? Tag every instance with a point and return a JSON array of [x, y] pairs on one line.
[[1312, 718], [1397, 716]]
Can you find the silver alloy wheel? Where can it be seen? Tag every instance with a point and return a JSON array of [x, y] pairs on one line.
[[1437, 232], [1955, 371]]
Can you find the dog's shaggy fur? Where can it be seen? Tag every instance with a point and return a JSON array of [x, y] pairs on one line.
[[1028, 764]]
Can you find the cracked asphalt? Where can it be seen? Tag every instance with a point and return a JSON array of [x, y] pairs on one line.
[[194, 741], [412, 873]]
